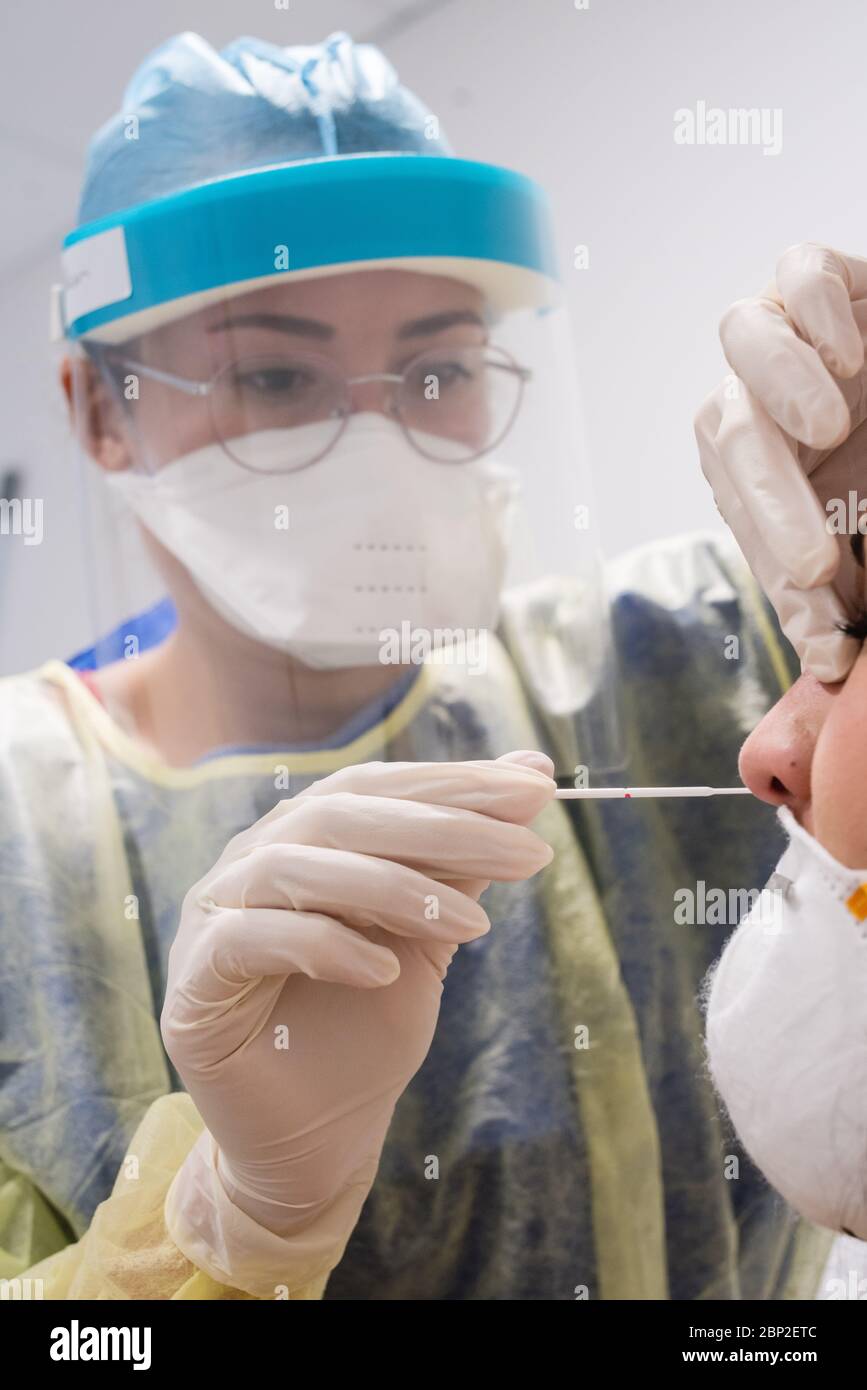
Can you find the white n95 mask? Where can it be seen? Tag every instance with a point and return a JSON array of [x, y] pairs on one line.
[[787, 1035], [320, 563]]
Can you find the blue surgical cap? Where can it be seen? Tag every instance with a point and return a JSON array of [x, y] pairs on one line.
[[202, 115]]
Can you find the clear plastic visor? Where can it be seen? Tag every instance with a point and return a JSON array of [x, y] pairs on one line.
[[321, 489]]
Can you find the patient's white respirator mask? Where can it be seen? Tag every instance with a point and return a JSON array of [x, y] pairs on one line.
[[787, 1034], [327, 562]]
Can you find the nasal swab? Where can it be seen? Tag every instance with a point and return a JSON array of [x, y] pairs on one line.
[[627, 793]]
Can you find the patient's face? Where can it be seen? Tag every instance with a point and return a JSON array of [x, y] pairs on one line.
[[839, 777], [810, 753]]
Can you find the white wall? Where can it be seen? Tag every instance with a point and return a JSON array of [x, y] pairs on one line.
[[582, 100]]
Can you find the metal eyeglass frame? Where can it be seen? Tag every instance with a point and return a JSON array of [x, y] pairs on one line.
[[110, 356]]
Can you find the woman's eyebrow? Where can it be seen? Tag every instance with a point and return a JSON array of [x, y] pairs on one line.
[[315, 328], [856, 545], [435, 323], [280, 323]]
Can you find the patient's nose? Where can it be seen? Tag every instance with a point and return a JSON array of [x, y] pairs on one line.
[[776, 759]]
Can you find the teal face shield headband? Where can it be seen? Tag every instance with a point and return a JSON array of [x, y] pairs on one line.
[[129, 272]]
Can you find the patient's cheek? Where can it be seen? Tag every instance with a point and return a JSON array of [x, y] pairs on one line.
[[838, 779]]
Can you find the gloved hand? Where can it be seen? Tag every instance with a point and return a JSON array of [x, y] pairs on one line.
[[303, 990], [776, 445]]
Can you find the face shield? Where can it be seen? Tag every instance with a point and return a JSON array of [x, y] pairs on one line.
[[330, 445]]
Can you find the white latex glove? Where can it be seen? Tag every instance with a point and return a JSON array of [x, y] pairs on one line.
[[792, 438], [303, 992]]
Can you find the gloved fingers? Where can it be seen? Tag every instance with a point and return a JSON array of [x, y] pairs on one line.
[[500, 789], [357, 889], [250, 943], [809, 618], [228, 989], [785, 373], [530, 757], [441, 841], [473, 887], [751, 465], [512, 789], [817, 286], [729, 503]]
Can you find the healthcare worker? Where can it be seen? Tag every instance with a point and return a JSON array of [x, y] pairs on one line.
[[337, 522], [787, 1003]]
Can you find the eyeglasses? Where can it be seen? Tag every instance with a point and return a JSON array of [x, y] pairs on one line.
[[452, 403]]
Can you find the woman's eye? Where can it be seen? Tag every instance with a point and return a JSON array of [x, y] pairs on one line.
[[446, 374], [856, 627], [273, 381]]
